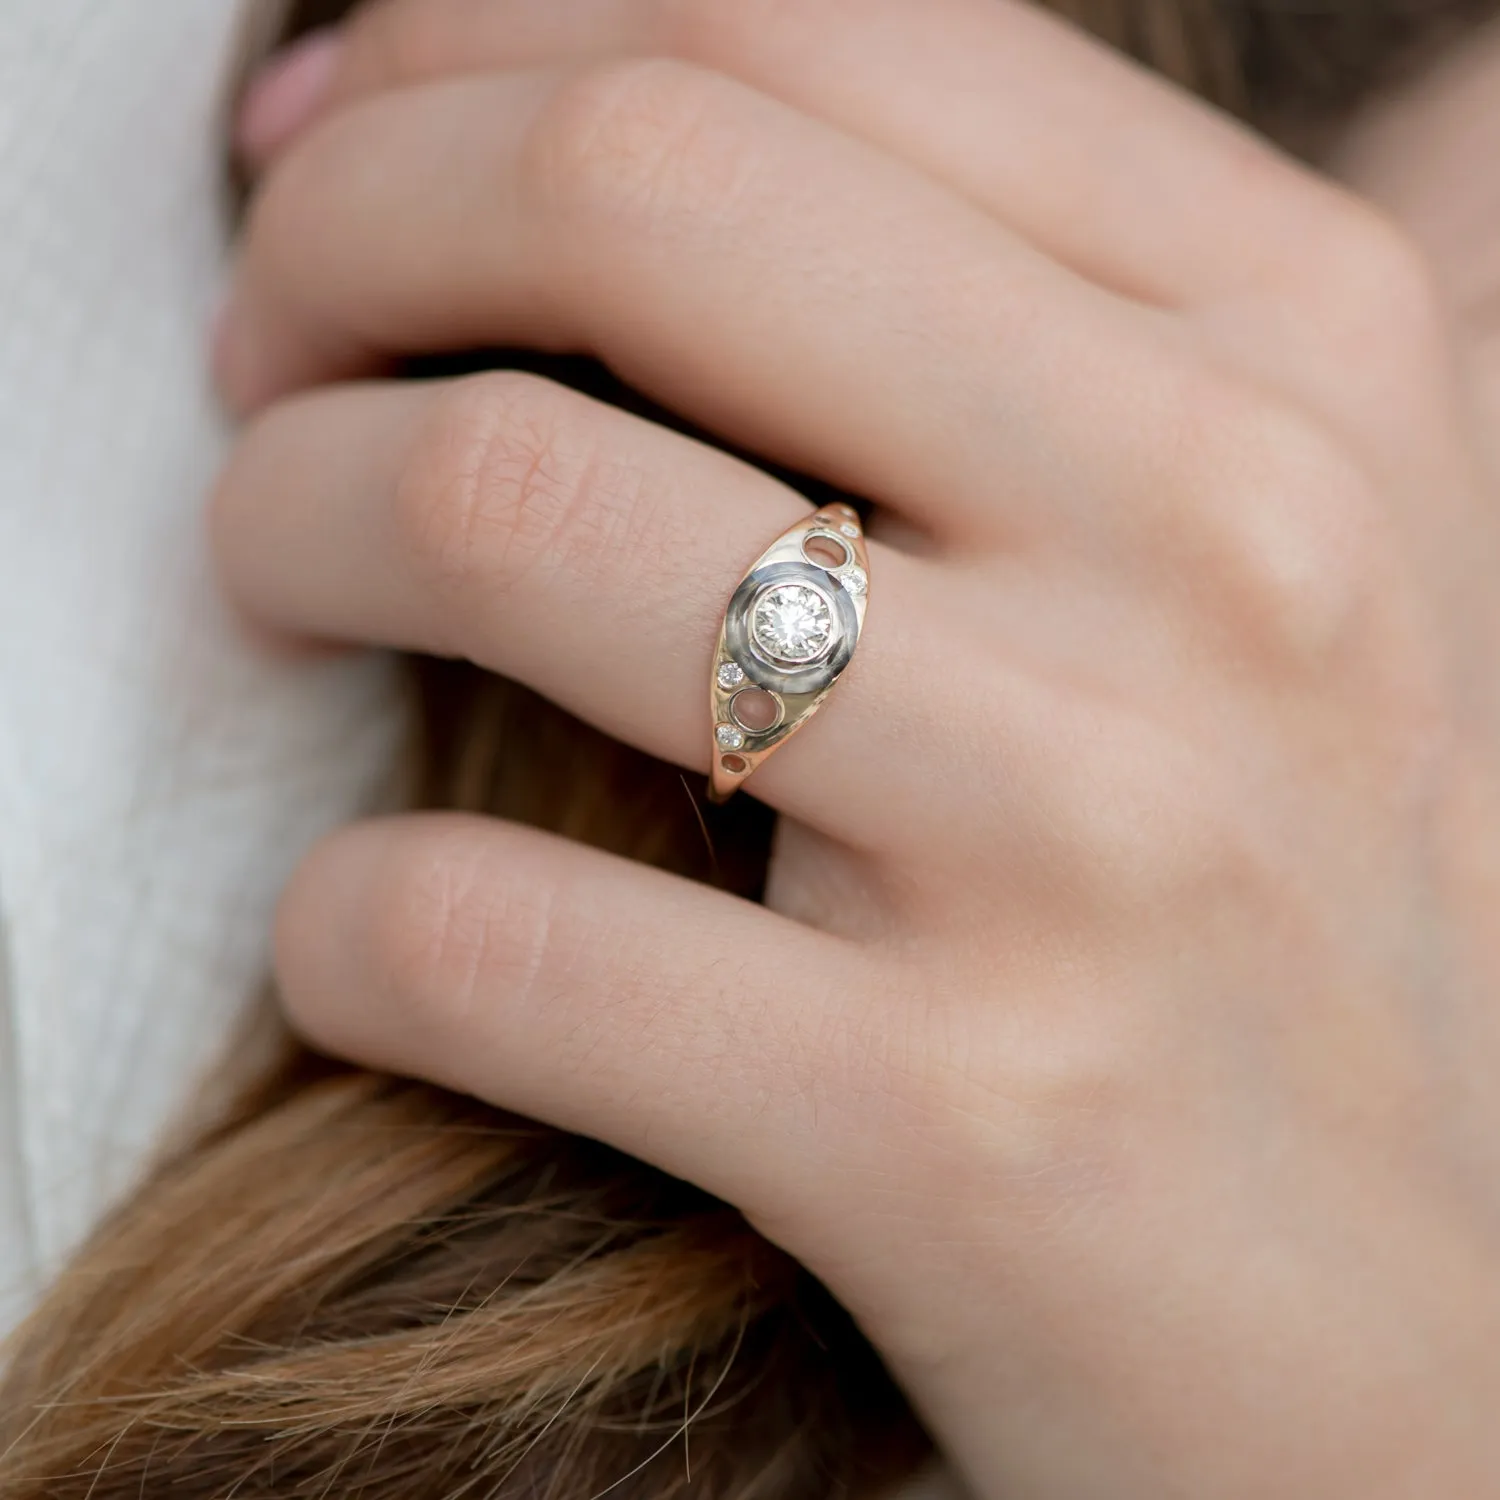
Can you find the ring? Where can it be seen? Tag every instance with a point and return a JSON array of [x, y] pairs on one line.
[[787, 637]]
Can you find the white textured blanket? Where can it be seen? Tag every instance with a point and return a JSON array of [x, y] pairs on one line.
[[156, 778]]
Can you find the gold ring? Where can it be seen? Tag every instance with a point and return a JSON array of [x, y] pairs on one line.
[[788, 635]]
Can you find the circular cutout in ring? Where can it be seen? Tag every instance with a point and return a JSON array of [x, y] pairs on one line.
[[736, 765], [756, 709], [826, 550]]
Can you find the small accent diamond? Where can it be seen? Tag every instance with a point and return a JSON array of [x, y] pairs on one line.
[[793, 623], [731, 675], [729, 736], [849, 529], [856, 580]]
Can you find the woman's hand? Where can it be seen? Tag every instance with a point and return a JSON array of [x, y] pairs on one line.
[[1122, 1043]]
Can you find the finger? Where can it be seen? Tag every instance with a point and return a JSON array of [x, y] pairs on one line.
[[577, 988], [1145, 189], [580, 550], [787, 287]]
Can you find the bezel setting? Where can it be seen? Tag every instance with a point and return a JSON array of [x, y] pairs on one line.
[[796, 657], [792, 595], [785, 678]]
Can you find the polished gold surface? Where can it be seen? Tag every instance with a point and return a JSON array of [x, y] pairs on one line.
[[790, 630]]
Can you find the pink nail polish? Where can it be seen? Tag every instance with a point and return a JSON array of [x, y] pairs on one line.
[[287, 93]]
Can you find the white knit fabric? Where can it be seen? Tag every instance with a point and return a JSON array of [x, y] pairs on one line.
[[157, 777]]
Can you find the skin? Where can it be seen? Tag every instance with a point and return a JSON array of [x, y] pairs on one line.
[[1120, 1038]]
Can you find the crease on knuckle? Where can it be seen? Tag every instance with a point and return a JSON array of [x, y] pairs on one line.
[[450, 939], [625, 145], [496, 489], [1035, 1104], [1290, 545]]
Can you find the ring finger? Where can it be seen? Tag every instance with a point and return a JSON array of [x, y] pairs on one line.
[[580, 550]]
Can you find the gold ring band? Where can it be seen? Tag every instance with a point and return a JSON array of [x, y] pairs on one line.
[[788, 635]]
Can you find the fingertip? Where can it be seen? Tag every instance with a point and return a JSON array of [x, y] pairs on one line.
[[258, 353], [254, 359], [315, 935], [352, 935], [238, 365], [287, 93]]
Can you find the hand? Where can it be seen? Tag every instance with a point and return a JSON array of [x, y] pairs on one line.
[[1121, 1040]]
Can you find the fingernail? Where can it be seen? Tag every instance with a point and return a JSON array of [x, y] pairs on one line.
[[286, 93]]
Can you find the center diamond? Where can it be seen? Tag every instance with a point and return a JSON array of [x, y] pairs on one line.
[[793, 623]]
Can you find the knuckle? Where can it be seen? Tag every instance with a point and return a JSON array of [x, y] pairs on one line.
[[448, 932], [1069, 1098], [1142, 811], [492, 486], [1370, 284], [1036, 1103], [1291, 543], [620, 143], [1144, 819]]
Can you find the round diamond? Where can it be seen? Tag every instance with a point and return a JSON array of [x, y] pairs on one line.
[[793, 623], [729, 736], [731, 675], [856, 580], [849, 529]]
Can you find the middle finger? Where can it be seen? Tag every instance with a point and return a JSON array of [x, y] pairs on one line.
[[788, 287], [1145, 189]]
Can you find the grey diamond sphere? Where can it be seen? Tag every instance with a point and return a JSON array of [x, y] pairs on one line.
[[793, 623]]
